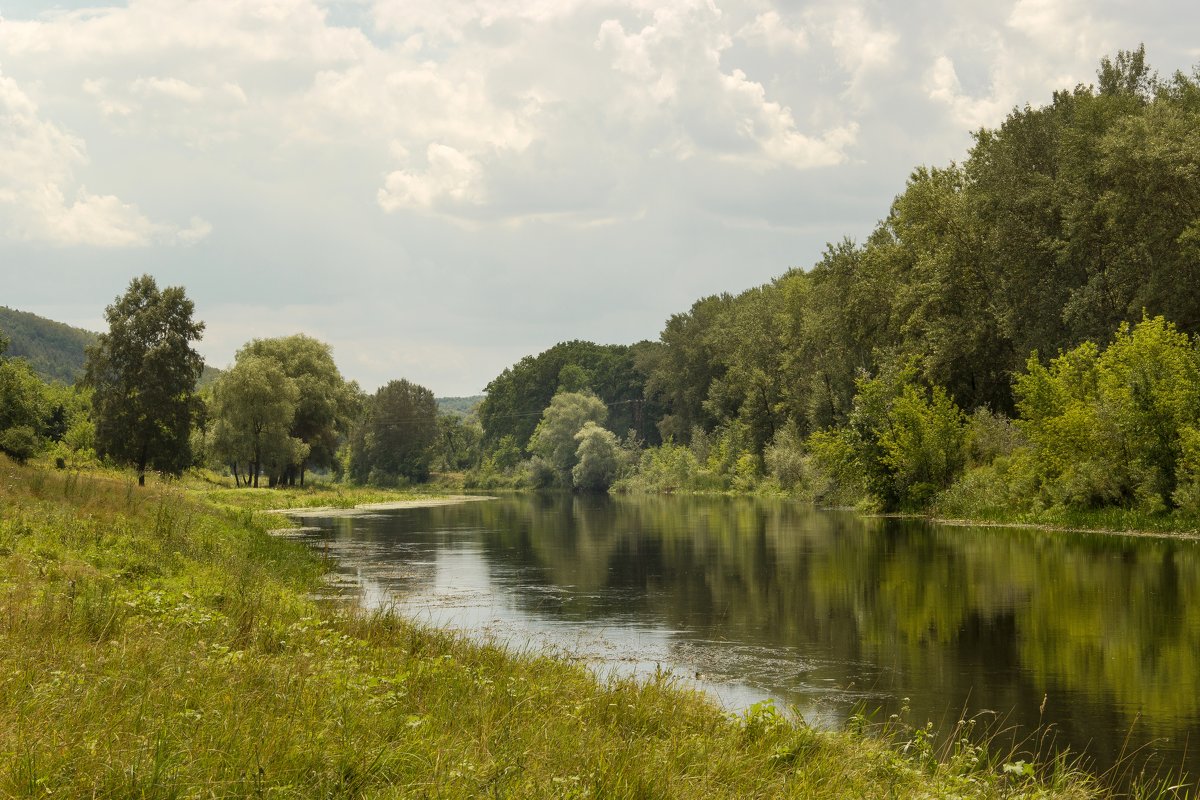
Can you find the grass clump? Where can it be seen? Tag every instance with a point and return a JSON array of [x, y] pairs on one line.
[[160, 643]]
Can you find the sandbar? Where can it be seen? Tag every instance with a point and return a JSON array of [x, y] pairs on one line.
[[368, 508]]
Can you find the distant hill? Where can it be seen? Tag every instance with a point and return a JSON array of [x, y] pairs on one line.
[[55, 350], [459, 406]]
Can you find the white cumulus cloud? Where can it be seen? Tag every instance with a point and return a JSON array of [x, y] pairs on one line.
[[449, 178], [37, 163]]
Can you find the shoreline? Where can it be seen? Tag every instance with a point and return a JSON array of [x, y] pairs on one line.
[[368, 508], [1190, 534]]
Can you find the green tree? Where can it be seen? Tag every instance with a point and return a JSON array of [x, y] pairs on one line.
[[254, 403], [24, 409], [394, 437], [902, 443], [554, 438], [1111, 426], [614, 373], [458, 443], [598, 458], [324, 404], [682, 368], [143, 374]]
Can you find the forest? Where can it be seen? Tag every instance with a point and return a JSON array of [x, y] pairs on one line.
[[1016, 338]]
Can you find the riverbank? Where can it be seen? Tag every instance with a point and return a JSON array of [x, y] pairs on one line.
[[160, 642], [367, 508]]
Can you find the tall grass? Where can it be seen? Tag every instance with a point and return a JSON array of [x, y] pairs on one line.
[[158, 643]]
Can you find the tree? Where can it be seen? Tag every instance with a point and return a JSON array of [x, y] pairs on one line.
[[394, 436], [143, 373], [323, 405], [254, 404], [458, 443], [1112, 426], [682, 368], [597, 456], [24, 409], [554, 438], [614, 373], [902, 443]]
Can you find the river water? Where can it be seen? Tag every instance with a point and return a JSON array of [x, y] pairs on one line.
[[828, 613]]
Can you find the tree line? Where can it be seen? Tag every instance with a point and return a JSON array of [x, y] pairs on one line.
[[281, 410], [895, 367]]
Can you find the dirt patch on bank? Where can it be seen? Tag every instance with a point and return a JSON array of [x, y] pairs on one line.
[[368, 508]]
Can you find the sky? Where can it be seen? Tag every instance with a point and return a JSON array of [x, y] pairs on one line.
[[438, 188]]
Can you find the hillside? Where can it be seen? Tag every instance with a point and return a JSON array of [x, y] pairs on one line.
[[55, 350], [459, 406]]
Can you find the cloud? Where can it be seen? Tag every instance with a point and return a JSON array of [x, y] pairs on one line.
[[943, 86], [1065, 27], [37, 161], [675, 75], [450, 178], [770, 30]]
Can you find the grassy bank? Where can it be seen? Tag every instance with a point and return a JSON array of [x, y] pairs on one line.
[[159, 643]]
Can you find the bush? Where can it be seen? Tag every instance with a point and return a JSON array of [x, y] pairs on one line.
[[598, 457], [991, 436], [839, 479], [20, 443], [1108, 428], [901, 445], [924, 445], [1187, 494], [666, 469], [786, 460]]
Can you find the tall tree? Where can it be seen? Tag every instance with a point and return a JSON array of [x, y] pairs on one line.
[[394, 436], [323, 406], [143, 373], [554, 439], [254, 404]]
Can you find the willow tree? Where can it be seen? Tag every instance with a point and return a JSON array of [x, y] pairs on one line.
[[323, 407]]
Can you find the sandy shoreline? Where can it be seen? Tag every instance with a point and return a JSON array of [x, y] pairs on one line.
[[367, 508]]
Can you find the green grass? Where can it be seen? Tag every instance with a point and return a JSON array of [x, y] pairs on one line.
[[159, 642]]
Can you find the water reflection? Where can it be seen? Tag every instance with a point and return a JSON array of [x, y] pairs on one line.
[[825, 611]]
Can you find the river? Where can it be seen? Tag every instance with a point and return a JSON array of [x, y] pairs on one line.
[[1095, 638]]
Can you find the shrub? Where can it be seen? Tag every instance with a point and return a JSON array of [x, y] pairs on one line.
[[1109, 427], [19, 442], [598, 457]]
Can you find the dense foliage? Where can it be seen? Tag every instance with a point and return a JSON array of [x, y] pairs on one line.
[[143, 374], [516, 398], [253, 409], [54, 351], [394, 438], [324, 401]]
